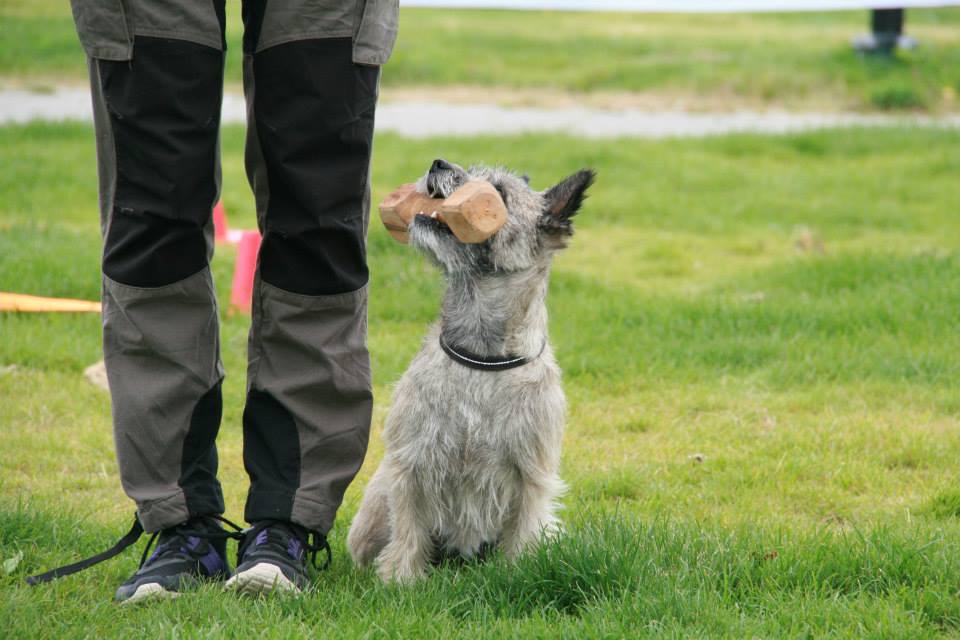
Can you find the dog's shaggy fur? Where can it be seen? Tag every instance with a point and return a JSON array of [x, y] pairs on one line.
[[472, 456]]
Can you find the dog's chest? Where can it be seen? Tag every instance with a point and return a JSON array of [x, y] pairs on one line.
[[472, 481], [450, 422], [469, 438], [470, 448]]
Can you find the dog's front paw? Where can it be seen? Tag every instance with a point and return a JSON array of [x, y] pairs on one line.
[[401, 573], [401, 568], [551, 529], [545, 530]]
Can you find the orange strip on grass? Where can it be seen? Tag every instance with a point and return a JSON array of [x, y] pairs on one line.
[[22, 303]]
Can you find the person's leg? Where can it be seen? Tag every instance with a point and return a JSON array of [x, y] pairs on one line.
[[310, 128], [157, 74]]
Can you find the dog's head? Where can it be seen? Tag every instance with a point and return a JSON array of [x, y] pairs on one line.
[[538, 223]]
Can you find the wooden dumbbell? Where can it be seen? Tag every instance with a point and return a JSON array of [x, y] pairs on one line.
[[398, 209], [474, 212]]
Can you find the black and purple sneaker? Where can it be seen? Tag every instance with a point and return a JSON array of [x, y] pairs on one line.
[[276, 556], [185, 555]]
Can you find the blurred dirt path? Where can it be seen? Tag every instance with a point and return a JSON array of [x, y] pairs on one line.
[[419, 117]]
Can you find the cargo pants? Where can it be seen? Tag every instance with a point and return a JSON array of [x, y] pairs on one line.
[[311, 75]]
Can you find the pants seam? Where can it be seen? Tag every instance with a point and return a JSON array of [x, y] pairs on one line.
[[303, 35], [194, 37], [107, 212], [256, 327], [133, 287], [345, 296]]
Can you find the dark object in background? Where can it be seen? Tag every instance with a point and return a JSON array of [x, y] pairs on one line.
[[886, 35]]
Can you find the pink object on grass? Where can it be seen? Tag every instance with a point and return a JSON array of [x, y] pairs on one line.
[[221, 231], [241, 293]]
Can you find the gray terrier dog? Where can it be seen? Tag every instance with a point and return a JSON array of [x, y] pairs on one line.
[[473, 437]]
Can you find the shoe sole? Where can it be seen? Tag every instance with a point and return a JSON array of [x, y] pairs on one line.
[[260, 579], [149, 591]]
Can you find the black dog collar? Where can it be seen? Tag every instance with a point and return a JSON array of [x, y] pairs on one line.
[[487, 363]]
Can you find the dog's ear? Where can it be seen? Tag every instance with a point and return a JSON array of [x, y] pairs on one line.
[[563, 201]]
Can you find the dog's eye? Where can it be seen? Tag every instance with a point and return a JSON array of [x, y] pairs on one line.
[[501, 191]]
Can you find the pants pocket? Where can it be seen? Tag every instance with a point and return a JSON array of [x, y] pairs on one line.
[[103, 29], [376, 32]]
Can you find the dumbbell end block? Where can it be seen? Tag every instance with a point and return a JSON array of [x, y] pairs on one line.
[[399, 208], [400, 234], [474, 212], [393, 211], [397, 196]]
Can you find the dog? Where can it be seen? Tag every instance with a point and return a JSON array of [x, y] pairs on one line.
[[474, 434]]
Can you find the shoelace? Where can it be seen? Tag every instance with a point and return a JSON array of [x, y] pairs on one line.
[[130, 538], [319, 542], [182, 533]]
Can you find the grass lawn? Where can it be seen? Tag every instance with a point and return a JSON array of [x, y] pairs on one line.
[[759, 338], [801, 61]]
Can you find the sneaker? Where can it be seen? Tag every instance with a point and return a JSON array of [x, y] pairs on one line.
[[274, 557], [185, 555]]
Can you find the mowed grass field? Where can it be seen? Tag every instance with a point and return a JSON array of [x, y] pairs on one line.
[[760, 344], [714, 61]]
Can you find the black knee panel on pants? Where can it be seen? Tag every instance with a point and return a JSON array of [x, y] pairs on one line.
[[164, 110], [146, 250], [314, 111]]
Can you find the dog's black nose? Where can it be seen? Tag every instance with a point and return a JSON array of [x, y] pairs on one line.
[[441, 165]]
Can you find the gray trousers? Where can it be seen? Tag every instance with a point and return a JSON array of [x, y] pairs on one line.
[[310, 77]]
